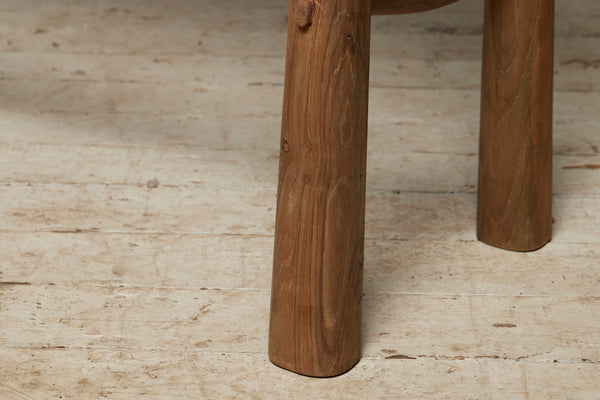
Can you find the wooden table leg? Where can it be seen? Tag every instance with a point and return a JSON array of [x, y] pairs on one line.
[[316, 303], [515, 170]]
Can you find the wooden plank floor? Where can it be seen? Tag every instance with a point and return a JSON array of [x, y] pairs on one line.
[[138, 169]]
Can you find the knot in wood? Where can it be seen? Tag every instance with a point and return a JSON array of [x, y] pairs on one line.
[[305, 10]]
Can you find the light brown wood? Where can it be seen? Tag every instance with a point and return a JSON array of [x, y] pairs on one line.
[[180, 318], [391, 215], [382, 7], [168, 295], [170, 374], [316, 304], [430, 171], [515, 172], [243, 261]]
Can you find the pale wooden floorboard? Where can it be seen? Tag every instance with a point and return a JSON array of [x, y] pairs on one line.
[[121, 374], [181, 165], [204, 210], [113, 288], [243, 261], [473, 326]]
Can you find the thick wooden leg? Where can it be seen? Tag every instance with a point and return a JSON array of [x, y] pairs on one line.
[[515, 170], [316, 301]]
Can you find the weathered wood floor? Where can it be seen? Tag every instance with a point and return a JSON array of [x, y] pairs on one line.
[[138, 161]]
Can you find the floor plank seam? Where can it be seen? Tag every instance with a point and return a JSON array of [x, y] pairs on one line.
[[394, 357], [368, 238], [112, 285]]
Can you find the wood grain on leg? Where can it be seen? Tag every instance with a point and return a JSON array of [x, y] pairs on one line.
[[316, 302], [515, 171]]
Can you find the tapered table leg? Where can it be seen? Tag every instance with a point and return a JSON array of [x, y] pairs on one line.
[[315, 326], [515, 170]]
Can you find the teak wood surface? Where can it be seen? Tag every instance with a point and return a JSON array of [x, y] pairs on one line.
[[317, 275], [383, 7], [515, 167], [316, 302]]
